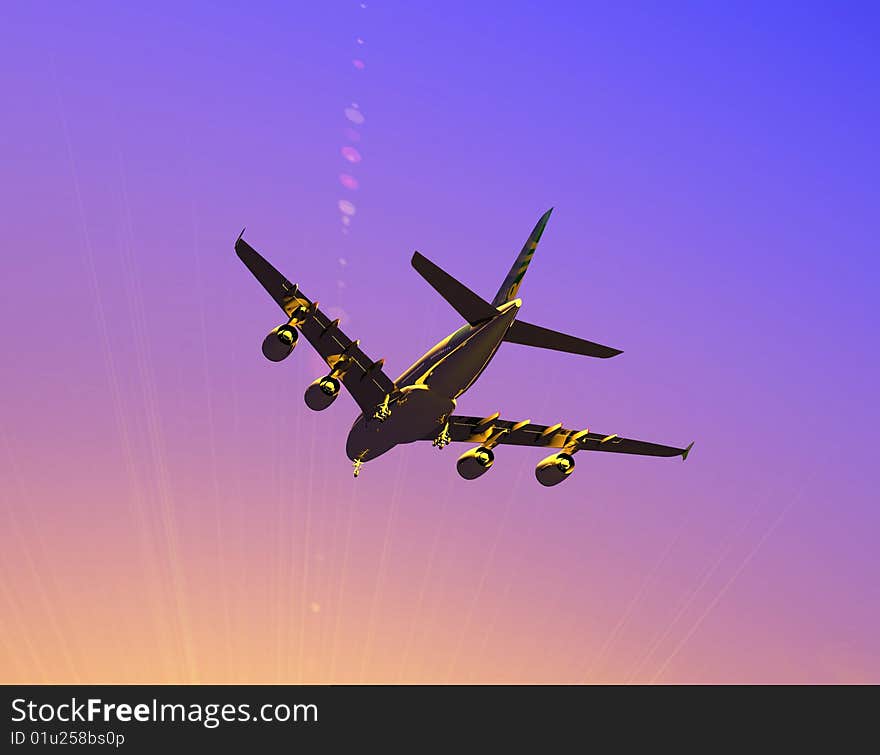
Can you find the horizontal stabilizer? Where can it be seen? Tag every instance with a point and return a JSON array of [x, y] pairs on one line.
[[469, 305], [534, 335]]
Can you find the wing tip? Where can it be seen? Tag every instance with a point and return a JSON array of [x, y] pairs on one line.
[[684, 454], [239, 241]]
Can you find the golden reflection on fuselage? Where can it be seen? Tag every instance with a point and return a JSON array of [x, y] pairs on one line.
[[433, 355], [463, 355]]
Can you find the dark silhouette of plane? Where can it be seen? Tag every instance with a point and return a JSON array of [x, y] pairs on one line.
[[420, 404]]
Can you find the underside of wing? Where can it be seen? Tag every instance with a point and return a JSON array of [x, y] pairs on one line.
[[498, 431], [361, 376]]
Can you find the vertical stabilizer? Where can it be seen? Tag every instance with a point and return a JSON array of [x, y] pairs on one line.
[[508, 289]]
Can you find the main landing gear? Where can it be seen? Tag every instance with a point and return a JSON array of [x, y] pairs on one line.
[[443, 437], [383, 411]]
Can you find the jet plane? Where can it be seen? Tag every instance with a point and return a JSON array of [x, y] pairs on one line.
[[420, 404]]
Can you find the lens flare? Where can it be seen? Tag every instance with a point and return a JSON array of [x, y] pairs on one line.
[[354, 115], [351, 154], [346, 207], [349, 182], [358, 63]]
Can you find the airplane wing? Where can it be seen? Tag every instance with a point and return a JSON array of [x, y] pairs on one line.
[[502, 431], [363, 378]]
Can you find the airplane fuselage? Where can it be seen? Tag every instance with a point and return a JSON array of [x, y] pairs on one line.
[[427, 391]]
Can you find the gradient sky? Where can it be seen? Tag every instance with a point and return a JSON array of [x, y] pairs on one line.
[[171, 511]]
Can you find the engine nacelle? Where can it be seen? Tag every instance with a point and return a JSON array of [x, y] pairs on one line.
[[554, 469], [471, 464], [322, 393], [279, 343]]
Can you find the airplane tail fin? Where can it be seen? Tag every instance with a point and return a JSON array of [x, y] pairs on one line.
[[474, 308], [508, 289], [469, 305]]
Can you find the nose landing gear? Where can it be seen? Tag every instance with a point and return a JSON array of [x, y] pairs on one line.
[[359, 461]]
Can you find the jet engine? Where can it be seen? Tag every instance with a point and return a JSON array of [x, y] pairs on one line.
[[554, 469], [322, 393], [471, 464], [279, 343]]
